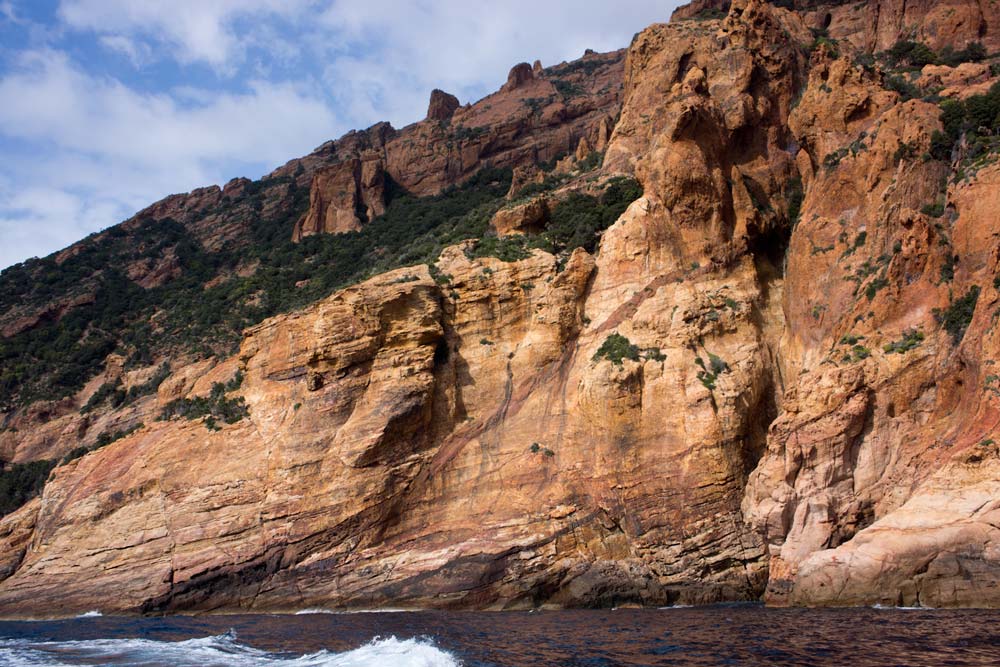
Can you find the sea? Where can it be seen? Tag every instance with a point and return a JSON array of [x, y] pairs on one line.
[[715, 635]]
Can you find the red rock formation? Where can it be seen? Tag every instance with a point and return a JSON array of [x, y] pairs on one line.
[[442, 105], [528, 121], [343, 197], [519, 75]]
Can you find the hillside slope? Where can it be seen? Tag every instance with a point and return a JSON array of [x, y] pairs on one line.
[[739, 342]]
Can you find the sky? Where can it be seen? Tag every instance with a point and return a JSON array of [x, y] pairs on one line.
[[109, 105]]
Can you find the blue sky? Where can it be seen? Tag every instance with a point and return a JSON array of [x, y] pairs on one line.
[[108, 105]]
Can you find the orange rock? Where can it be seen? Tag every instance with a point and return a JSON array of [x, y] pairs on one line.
[[521, 218]]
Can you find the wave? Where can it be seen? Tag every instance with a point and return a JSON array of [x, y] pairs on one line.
[[894, 608], [320, 610], [217, 651]]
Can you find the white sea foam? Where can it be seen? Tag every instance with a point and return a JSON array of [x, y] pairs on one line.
[[218, 651], [90, 614], [320, 610], [893, 608]]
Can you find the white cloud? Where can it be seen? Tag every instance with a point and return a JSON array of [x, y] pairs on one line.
[[390, 54], [99, 150], [84, 150], [138, 53], [7, 11], [194, 30], [50, 100]]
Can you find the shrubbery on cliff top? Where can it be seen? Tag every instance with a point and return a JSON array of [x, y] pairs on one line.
[[977, 117], [56, 358]]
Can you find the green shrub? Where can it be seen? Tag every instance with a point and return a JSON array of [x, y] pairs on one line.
[[978, 118], [794, 196], [911, 339], [512, 248], [907, 91], [150, 386], [709, 15], [617, 348], [973, 53], [941, 146], [913, 54], [831, 45], [654, 354], [104, 439], [874, 287], [956, 317], [213, 407], [109, 392], [578, 220], [708, 375], [948, 268], [832, 160], [935, 210], [21, 482], [594, 160], [549, 183], [567, 89]]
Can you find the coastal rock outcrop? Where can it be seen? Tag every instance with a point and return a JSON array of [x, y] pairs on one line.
[[772, 375]]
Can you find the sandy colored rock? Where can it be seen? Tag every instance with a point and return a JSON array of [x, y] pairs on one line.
[[521, 218]]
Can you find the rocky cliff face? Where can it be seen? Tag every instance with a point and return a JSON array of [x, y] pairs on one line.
[[773, 376], [877, 25]]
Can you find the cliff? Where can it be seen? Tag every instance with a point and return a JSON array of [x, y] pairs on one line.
[[762, 368]]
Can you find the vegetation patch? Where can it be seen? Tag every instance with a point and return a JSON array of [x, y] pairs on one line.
[[935, 210], [856, 351], [616, 348], [549, 183], [955, 319], [511, 248], [537, 448], [911, 339], [709, 373], [212, 408], [578, 220], [709, 15], [794, 196], [977, 119], [56, 358], [914, 54], [21, 482], [103, 440], [575, 222]]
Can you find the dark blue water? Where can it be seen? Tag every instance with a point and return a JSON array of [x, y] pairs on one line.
[[727, 635]]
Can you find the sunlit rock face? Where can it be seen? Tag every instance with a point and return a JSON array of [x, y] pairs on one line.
[[774, 377]]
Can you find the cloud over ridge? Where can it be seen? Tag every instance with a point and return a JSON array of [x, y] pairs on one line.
[[112, 104]]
